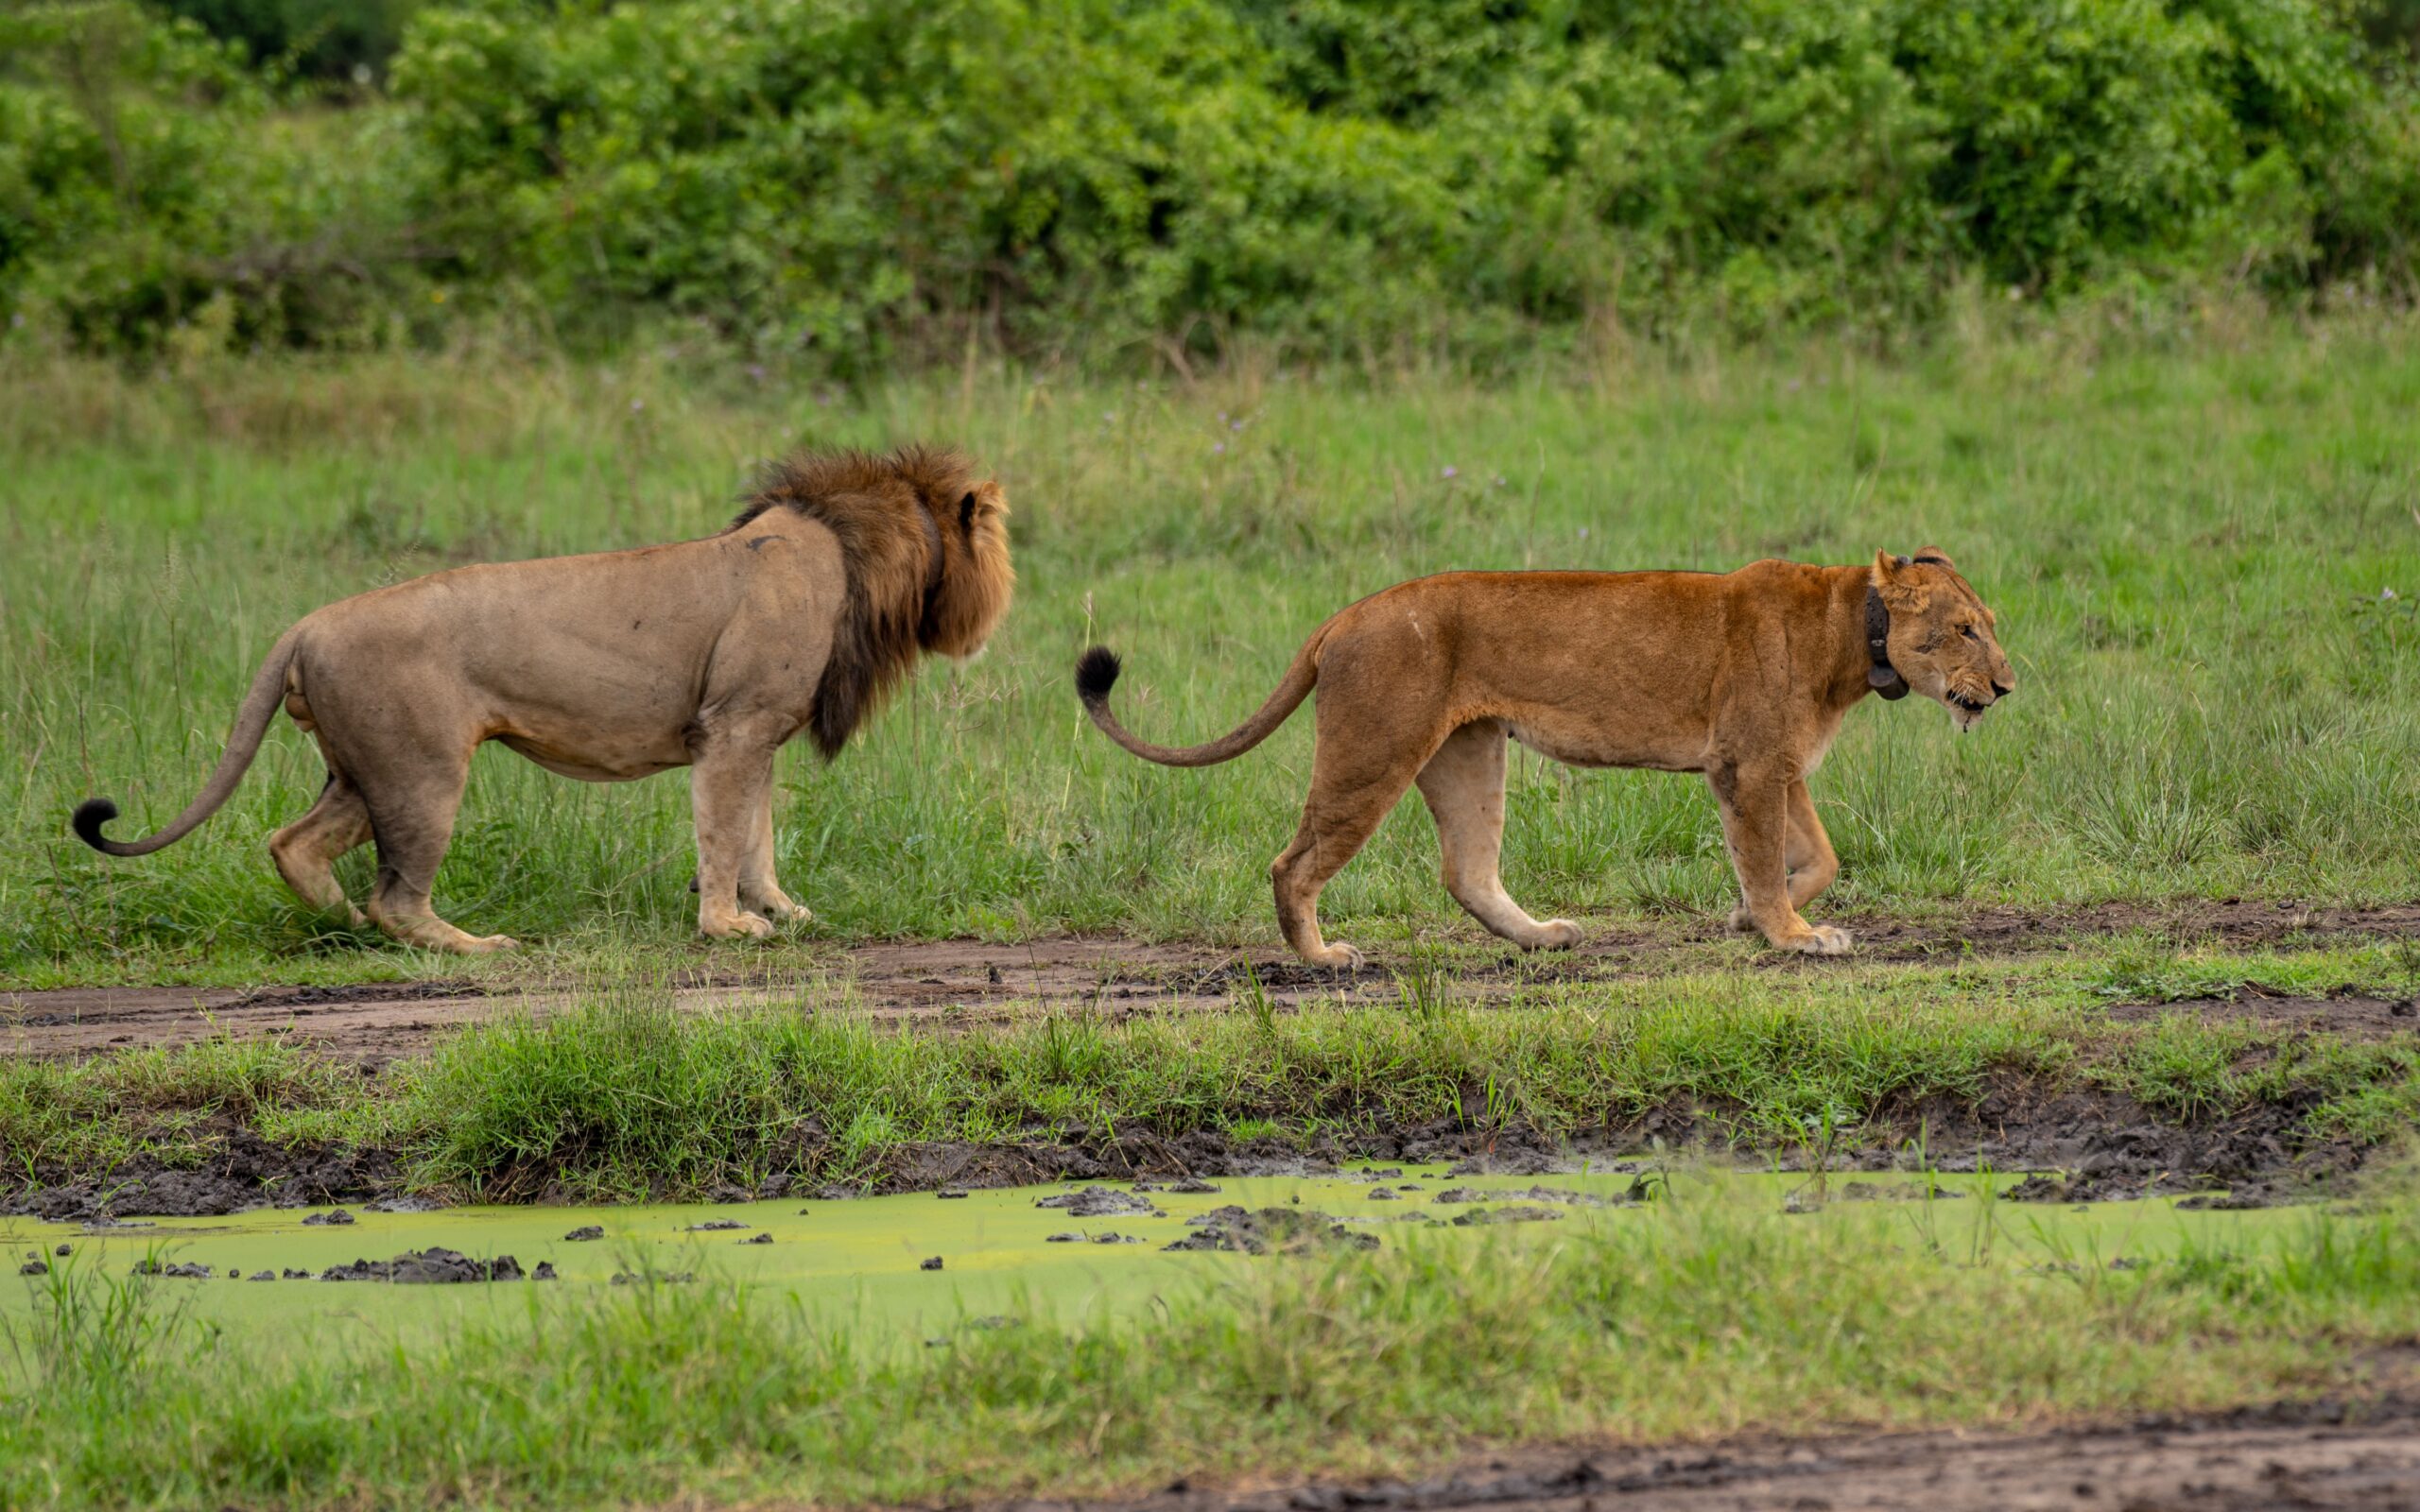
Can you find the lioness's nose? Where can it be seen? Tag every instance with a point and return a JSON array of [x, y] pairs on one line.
[[1998, 692]]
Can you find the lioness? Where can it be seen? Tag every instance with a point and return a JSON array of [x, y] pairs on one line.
[[710, 654], [1741, 675]]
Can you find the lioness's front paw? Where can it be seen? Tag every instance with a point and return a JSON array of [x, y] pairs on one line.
[[1821, 940], [1742, 921], [783, 911], [483, 944], [1338, 957], [1556, 935], [738, 926]]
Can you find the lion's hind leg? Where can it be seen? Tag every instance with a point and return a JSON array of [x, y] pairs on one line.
[[1464, 785], [307, 850], [412, 805]]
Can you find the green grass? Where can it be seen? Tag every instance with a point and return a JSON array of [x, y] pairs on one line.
[[2188, 549], [1713, 1315], [623, 1098]]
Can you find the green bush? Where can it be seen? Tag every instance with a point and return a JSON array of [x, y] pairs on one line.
[[863, 181]]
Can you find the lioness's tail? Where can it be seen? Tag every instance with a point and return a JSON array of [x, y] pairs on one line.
[[1096, 671], [243, 742]]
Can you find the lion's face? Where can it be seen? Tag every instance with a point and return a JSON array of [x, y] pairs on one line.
[[1944, 638], [977, 580]]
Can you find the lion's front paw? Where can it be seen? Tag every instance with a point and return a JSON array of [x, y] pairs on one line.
[[1556, 935], [781, 911], [738, 926], [1339, 956], [1821, 940]]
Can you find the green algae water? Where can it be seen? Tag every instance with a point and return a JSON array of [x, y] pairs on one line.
[[867, 1263]]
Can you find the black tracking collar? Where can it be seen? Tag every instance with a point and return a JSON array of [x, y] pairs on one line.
[[1882, 676]]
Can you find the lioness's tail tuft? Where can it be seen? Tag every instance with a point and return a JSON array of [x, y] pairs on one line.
[[1096, 674], [90, 815]]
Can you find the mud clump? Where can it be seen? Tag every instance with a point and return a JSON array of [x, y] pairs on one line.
[[715, 1225], [1524, 1213], [1637, 1193], [1189, 1186], [760, 1238], [262, 1275], [151, 1266], [931, 1263], [655, 1278], [336, 1219], [950, 1194], [1270, 1232], [34, 1267], [584, 1233], [435, 1267], [545, 1271], [406, 1203], [1100, 1202]]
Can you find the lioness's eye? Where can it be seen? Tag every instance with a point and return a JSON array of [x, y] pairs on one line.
[[1969, 631]]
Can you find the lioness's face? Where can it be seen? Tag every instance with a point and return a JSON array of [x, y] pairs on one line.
[[1943, 637]]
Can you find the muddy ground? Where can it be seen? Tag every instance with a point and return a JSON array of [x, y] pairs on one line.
[[973, 981], [2331, 1455], [2097, 1145]]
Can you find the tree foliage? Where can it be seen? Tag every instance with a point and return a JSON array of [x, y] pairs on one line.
[[858, 179]]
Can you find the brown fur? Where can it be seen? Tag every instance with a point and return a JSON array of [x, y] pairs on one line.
[[708, 654], [1743, 677]]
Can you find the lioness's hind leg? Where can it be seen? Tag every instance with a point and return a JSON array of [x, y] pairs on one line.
[[1351, 791], [1464, 785], [307, 850]]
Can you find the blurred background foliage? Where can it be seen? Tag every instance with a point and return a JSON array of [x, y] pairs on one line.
[[852, 184]]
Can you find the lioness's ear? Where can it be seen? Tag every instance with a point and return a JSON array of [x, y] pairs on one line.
[[1937, 557], [1897, 585]]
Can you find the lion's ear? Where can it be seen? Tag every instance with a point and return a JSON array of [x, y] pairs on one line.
[[984, 498], [1937, 557]]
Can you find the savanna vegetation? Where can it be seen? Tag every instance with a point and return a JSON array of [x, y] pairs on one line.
[[842, 184]]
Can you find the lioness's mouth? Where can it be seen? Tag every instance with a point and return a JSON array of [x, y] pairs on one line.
[[1970, 705]]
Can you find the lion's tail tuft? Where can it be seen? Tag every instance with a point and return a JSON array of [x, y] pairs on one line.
[[90, 815], [1096, 674]]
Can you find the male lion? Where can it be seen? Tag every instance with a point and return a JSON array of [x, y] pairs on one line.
[[709, 654], [1741, 675]]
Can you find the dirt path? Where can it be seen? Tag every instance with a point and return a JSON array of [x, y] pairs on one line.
[[973, 981], [2290, 1456]]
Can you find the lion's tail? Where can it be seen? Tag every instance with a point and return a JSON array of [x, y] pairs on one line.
[[1096, 671], [243, 742]]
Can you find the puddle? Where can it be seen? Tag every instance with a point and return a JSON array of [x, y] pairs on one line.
[[1068, 1249]]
